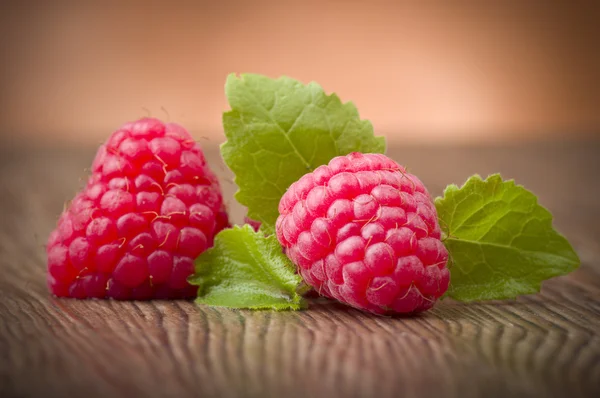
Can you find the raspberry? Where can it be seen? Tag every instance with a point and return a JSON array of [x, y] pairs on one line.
[[150, 207], [365, 232]]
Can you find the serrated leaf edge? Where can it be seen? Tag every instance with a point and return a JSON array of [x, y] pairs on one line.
[[536, 286]]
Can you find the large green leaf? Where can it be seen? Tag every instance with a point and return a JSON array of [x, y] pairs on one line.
[[501, 241], [280, 129]]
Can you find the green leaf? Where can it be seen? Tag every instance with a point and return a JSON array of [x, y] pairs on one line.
[[280, 129], [501, 241], [245, 269]]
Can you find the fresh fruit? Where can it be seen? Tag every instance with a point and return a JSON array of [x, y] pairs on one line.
[[365, 232], [150, 207], [361, 229]]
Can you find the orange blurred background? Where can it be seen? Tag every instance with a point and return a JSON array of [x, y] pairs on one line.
[[73, 71]]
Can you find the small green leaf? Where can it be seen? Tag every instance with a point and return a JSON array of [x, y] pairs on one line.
[[280, 129], [245, 269], [501, 241]]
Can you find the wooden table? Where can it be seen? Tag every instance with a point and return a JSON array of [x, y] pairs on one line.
[[541, 345]]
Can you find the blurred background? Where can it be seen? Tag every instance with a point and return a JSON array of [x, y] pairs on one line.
[[422, 72]]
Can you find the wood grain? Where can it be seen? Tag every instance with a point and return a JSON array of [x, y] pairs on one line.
[[540, 345]]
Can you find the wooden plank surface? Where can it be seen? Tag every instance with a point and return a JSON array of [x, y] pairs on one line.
[[540, 345]]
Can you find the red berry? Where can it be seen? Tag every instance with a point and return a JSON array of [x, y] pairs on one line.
[[365, 232], [150, 207]]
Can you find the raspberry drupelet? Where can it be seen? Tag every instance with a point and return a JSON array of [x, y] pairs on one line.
[[365, 232], [150, 207]]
